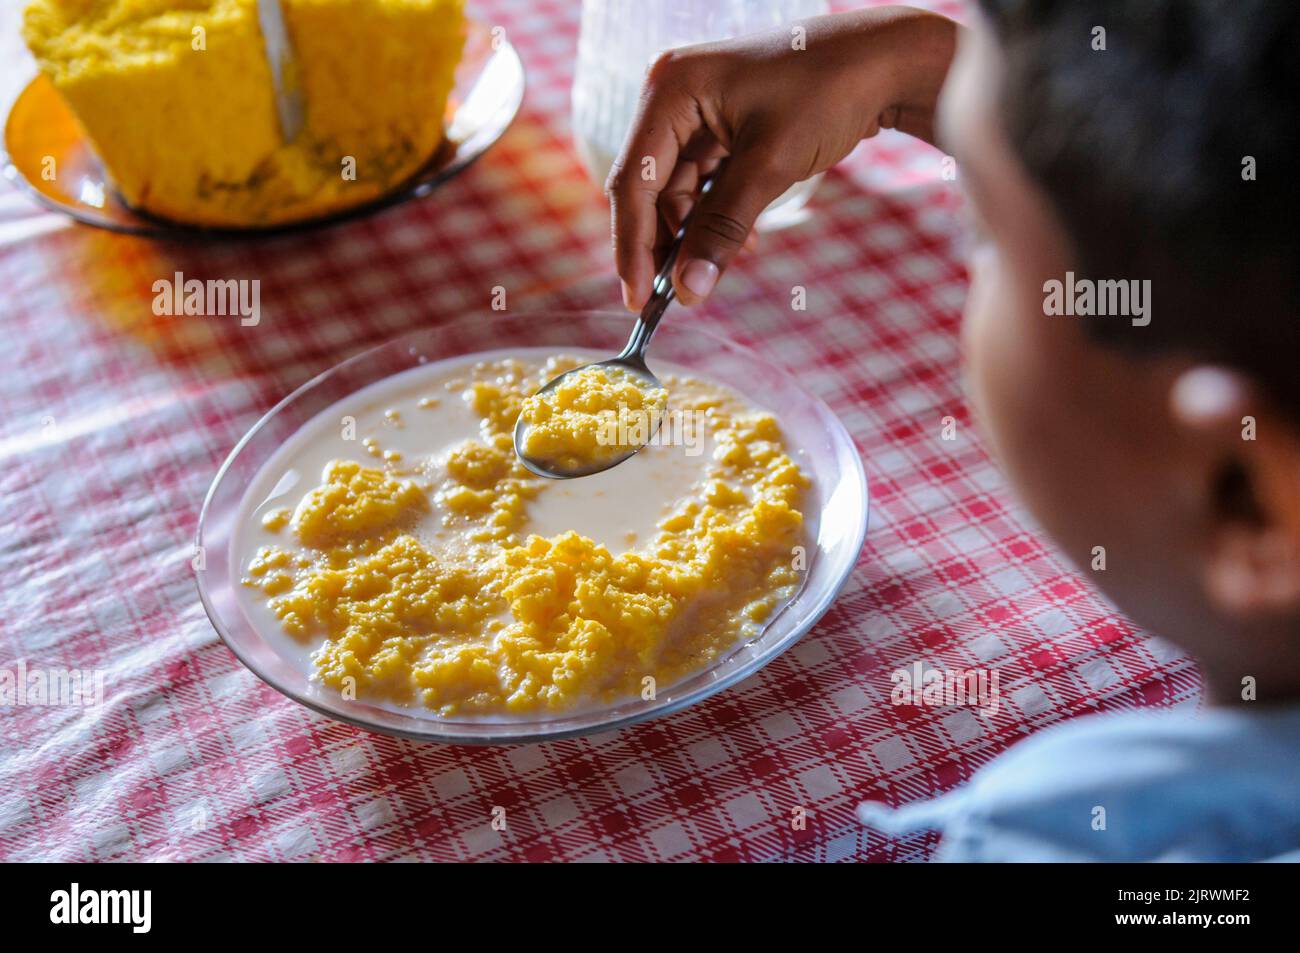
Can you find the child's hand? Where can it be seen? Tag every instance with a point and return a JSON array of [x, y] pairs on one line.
[[778, 114]]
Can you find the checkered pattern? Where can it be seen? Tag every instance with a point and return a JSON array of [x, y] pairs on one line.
[[115, 422]]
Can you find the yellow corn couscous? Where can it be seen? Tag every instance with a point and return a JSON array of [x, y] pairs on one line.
[[177, 98], [593, 416], [421, 581]]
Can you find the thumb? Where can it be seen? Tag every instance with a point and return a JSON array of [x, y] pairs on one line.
[[721, 222]]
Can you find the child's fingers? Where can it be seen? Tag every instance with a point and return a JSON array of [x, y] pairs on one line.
[[663, 242], [724, 221], [697, 161], [679, 194], [679, 197], [634, 218], [665, 120]]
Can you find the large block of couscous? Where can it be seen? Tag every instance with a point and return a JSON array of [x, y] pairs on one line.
[[178, 101]]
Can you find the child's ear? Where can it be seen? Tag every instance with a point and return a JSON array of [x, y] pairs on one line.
[[1249, 455]]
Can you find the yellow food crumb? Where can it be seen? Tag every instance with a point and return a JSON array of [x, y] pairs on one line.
[[177, 97], [268, 558], [593, 416], [516, 623], [276, 520]]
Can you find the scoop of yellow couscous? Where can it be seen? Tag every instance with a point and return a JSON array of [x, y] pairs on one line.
[[592, 417]]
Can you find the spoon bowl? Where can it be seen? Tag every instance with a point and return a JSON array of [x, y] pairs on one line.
[[633, 365]]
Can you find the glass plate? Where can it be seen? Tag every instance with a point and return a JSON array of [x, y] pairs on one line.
[[836, 514], [488, 90]]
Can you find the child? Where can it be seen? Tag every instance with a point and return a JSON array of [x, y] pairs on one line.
[[1131, 341]]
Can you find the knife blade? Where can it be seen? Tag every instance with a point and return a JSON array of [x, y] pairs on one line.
[[280, 57]]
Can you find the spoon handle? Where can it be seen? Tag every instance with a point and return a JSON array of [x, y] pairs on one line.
[[662, 292]]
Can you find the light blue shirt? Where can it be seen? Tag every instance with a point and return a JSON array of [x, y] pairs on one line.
[[1218, 785]]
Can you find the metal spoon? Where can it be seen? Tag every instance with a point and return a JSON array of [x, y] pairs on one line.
[[631, 360]]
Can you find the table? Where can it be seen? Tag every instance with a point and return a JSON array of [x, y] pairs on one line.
[[115, 421]]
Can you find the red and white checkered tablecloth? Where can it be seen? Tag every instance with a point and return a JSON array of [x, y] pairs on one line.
[[115, 421]]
